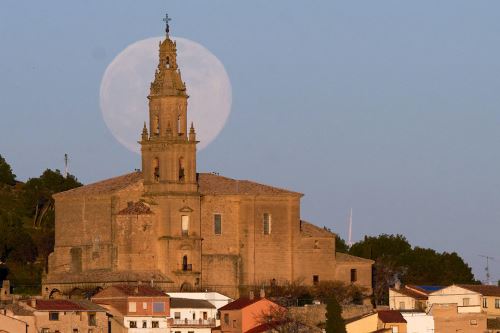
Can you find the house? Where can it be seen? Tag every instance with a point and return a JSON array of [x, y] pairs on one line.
[[246, 315], [139, 308], [391, 319], [410, 297], [362, 324], [192, 315], [418, 322], [490, 298], [216, 299], [54, 316], [452, 318]]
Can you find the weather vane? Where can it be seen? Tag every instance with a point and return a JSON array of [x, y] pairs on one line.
[[166, 20]]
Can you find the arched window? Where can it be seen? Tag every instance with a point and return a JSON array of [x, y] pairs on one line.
[[181, 169], [156, 169]]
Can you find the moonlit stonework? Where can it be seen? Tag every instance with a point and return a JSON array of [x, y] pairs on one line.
[[125, 86]]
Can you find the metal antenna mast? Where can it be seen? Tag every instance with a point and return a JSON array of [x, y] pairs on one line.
[[487, 269], [349, 239]]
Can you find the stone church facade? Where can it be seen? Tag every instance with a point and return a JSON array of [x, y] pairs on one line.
[[182, 230]]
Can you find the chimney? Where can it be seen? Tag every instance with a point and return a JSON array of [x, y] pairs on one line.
[[262, 293], [252, 296], [397, 285]]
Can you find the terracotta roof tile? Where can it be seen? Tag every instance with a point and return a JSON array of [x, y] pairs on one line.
[[240, 303], [215, 184], [129, 290], [484, 290], [104, 275], [105, 186], [347, 258], [310, 230], [190, 303], [57, 305], [391, 316], [411, 293], [136, 208]]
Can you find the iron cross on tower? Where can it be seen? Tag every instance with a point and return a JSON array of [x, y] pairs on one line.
[[166, 20]]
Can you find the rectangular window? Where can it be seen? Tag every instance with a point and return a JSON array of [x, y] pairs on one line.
[[53, 316], [315, 279], [75, 330], [473, 322], [485, 302], [155, 324], [144, 305], [158, 307], [45, 330], [401, 305], [354, 275], [266, 220], [144, 324], [395, 329], [177, 315], [92, 319], [132, 307], [497, 303], [132, 324], [185, 225], [234, 323], [226, 318], [218, 224], [465, 301]]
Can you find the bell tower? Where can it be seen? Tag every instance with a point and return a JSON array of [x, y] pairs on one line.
[[168, 149]]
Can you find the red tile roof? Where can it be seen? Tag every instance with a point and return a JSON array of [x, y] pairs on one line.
[[129, 291], [391, 316], [411, 293], [484, 290], [57, 305], [261, 328], [240, 303]]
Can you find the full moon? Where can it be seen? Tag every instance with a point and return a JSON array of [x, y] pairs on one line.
[[125, 86]]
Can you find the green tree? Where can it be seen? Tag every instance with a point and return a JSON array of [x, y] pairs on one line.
[[6, 175], [334, 321], [340, 245]]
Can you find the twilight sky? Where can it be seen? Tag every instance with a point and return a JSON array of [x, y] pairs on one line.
[[389, 107]]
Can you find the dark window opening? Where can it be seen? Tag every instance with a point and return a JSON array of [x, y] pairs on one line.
[[218, 224], [185, 265], [354, 275], [315, 279]]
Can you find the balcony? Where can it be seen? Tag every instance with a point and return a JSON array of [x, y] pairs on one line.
[[187, 267], [192, 323]]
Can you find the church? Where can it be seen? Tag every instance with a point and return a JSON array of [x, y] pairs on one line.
[[184, 230]]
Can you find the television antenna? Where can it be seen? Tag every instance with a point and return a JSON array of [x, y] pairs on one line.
[[487, 268], [65, 165], [349, 238]]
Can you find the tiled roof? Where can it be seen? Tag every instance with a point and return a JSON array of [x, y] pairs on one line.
[[484, 290], [136, 208], [240, 303], [347, 258], [66, 305], [410, 293], [310, 230], [215, 184], [105, 186], [190, 303], [103, 275], [391, 316], [129, 291], [16, 309], [261, 328], [208, 184]]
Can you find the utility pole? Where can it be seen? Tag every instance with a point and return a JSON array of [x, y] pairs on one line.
[[349, 239]]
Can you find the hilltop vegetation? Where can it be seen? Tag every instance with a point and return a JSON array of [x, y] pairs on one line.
[[396, 259], [27, 225]]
